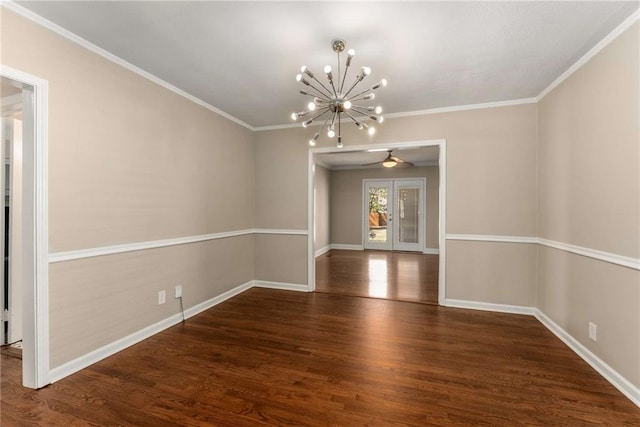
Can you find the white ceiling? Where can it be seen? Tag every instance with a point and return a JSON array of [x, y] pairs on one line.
[[421, 156], [241, 57]]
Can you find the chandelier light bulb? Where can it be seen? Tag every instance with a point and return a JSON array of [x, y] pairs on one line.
[[298, 77], [294, 116], [380, 119], [384, 82], [347, 105], [307, 123], [313, 140], [371, 130], [331, 133], [339, 144], [303, 68], [378, 109], [370, 96], [351, 53], [311, 106], [327, 69], [366, 71]]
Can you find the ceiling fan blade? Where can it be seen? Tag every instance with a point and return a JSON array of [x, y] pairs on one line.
[[404, 163]]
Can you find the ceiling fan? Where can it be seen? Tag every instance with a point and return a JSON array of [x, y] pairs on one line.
[[391, 161]]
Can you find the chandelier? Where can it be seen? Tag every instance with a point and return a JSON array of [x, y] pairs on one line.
[[332, 100]]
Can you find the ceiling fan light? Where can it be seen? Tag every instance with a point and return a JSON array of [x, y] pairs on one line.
[[389, 163]]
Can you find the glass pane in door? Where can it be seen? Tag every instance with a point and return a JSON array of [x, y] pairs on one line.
[[377, 230], [408, 209]]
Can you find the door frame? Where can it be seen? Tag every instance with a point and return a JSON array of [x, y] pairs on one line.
[[442, 203], [422, 219], [35, 290]]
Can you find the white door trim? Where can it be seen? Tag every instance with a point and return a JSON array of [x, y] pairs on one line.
[[35, 353], [442, 204]]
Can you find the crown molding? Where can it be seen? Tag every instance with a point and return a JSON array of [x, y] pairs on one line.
[[591, 53], [496, 104], [26, 13]]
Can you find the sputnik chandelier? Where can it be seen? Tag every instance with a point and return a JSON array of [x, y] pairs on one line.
[[329, 103]]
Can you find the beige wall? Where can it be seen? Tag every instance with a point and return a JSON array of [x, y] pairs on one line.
[[130, 161], [491, 167], [346, 201], [322, 207], [589, 174]]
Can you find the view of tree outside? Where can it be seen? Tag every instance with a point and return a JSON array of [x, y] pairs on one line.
[[378, 200]]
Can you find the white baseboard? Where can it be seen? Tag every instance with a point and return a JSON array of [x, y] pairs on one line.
[[280, 285], [431, 251], [487, 306], [101, 353], [610, 374], [323, 250], [347, 247]]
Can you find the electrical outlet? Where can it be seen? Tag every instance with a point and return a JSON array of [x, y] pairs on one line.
[[178, 293], [593, 331], [162, 297]]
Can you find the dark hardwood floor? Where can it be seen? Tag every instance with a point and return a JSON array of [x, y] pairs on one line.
[[400, 276], [269, 357]]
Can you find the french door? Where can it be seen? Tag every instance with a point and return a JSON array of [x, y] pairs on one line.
[[394, 214]]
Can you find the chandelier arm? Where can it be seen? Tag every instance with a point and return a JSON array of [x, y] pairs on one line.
[[321, 113], [356, 121], [318, 94], [344, 77], [361, 93], [336, 92], [360, 111], [358, 80], [327, 93], [324, 124], [354, 99]]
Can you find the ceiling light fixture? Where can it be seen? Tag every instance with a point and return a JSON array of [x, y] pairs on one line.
[[332, 100]]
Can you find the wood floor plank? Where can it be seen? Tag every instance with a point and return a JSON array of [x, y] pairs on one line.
[[269, 357]]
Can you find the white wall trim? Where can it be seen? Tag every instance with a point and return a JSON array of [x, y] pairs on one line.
[[140, 246], [105, 351], [590, 54], [345, 247], [323, 250], [609, 257], [492, 238], [280, 285], [431, 251], [279, 231], [26, 13], [610, 374], [593, 253], [486, 306]]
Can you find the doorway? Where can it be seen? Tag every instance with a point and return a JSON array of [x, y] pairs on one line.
[[28, 224], [394, 214], [323, 157]]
